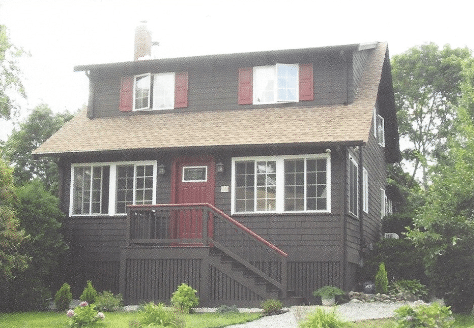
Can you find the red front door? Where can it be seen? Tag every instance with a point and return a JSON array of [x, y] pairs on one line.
[[194, 183]]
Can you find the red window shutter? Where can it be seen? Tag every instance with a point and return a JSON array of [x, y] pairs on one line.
[[245, 86], [181, 90], [126, 94], [306, 82]]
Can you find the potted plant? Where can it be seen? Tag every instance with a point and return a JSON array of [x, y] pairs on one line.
[[328, 294]]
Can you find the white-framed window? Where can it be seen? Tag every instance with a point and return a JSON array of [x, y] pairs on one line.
[[387, 205], [194, 174], [365, 190], [135, 185], [383, 203], [142, 92], [353, 187], [163, 91], [281, 184], [107, 188], [89, 190], [278, 83], [381, 130], [154, 91]]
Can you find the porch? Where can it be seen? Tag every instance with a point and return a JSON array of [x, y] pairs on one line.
[[202, 246]]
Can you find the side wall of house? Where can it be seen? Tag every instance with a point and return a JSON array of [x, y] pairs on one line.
[[373, 160]]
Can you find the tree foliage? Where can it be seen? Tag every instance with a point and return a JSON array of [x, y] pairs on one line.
[[10, 75], [444, 229], [427, 85], [11, 236], [39, 216], [35, 130]]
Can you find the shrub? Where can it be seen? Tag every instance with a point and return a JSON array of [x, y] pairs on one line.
[[89, 294], [271, 306], [424, 315], [184, 298], [323, 319], [328, 292], [85, 315], [410, 287], [63, 297], [381, 280], [223, 309], [158, 315], [108, 302]]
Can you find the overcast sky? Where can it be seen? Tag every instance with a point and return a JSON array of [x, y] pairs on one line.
[[60, 34]]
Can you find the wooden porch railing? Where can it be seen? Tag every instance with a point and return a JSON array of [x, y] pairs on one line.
[[206, 225]]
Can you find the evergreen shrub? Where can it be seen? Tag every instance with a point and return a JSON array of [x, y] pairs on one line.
[[381, 280], [89, 294], [63, 297]]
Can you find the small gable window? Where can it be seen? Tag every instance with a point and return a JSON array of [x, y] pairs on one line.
[[276, 84], [380, 130], [154, 91]]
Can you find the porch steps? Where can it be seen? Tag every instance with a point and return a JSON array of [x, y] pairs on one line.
[[243, 275]]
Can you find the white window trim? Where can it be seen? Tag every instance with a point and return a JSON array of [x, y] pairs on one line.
[[173, 74], [275, 87], [149, 93], [193, 167], [381, 132], [352, 159], [383, 201], [112, 184], [151, 97], [365, 186], [280, 187]]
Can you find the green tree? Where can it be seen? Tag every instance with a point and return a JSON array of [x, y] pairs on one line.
[[444, 229], [10, 75], [39, 216], [11, 236], [35, 130], [427, 85]]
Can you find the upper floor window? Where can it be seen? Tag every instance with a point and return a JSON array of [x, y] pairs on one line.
[[281, 184], [379, 128], [154, 91], [107, 188], [277, 83]]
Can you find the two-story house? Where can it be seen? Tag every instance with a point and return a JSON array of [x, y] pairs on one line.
[[247, 176]]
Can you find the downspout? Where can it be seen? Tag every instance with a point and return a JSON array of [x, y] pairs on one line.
[[361, 200], [345, 215]]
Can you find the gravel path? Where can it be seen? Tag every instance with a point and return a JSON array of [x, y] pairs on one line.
[[349, 312]]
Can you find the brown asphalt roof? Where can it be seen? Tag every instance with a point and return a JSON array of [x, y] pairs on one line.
[[258, 126]]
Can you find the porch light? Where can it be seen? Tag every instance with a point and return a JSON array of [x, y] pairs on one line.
[[219, 167], [161, 169]]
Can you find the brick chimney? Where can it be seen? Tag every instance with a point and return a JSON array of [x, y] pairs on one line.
[[143, 41]]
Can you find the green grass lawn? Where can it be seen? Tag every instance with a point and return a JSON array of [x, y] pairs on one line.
[[119, 319]]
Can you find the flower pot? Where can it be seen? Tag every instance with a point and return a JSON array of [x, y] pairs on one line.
[[328, 301]]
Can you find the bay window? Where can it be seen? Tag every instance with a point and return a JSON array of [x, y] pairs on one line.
[[281, 184]]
